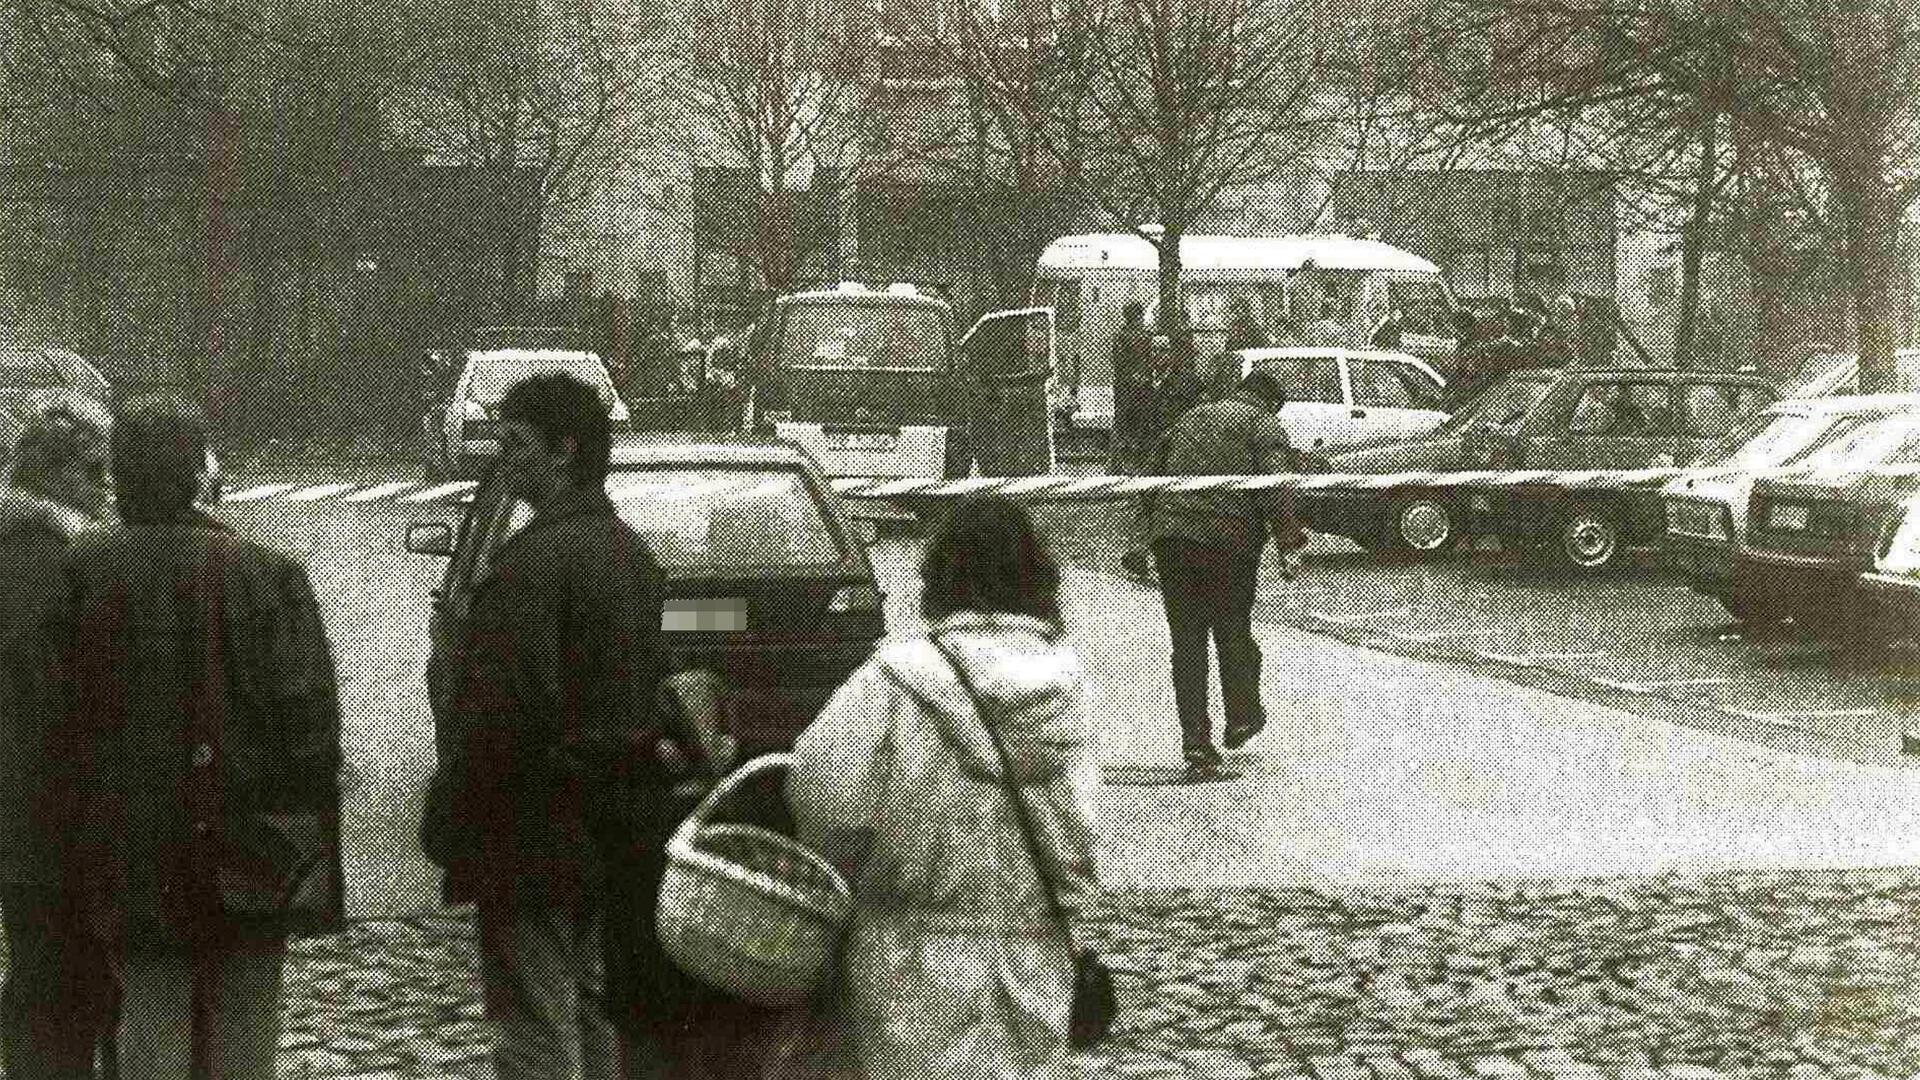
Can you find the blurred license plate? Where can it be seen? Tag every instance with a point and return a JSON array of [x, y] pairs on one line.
[[1787, 516], [708, 616], [867, 442]]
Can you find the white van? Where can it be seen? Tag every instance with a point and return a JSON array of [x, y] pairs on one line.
[[1088, 281]]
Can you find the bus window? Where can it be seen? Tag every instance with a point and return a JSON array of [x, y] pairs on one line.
[[1425, 302]]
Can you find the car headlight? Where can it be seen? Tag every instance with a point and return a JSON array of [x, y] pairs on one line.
[[1900, 551]]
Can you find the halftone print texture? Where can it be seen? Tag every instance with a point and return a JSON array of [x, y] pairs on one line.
[[1568, 802]]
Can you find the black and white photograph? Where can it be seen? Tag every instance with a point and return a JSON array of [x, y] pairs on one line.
[[960, 539]]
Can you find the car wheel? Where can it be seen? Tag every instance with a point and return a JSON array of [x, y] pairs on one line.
[[1420, 526], [1589, 539]]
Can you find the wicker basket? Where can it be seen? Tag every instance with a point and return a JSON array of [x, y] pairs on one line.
[[747, 910]]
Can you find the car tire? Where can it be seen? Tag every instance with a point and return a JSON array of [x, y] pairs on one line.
[[1418, 527], [1748, 609], [1589, 539]]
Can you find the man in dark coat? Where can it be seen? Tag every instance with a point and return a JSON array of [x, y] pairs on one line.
[[199, 700], [1146, 408], [1207, 547], [552, 764], [1132, 354], [56, 1006]]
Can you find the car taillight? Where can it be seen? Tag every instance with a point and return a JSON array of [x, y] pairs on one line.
[[854, 599]]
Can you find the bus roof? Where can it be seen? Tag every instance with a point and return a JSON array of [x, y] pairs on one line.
[[1128, 251]]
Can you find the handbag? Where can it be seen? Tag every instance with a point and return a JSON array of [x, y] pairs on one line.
[[1094, 1006], [259, 865]]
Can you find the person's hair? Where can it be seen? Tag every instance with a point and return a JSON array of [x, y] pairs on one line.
[[560, 406], [987, 556], [1133, 313], [56, 437], [159, 453], [1264, 385]]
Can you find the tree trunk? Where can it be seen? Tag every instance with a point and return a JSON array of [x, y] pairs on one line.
[[1875, 267], [1173, 312], [1693, 245]]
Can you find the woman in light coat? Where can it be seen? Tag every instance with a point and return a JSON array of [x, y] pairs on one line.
[[956, 965]]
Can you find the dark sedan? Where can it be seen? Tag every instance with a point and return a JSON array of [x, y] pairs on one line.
[[768, 580]]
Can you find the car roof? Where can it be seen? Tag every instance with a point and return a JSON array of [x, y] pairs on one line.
[[1277, 352], [510, 356], [1848, 403], [863, 294], [698, 449]]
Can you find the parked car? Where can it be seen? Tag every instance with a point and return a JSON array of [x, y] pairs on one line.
[[1706, 515], [1410, 520], [1894, 581], [33, 378], [1830, 374], [1602, 419], [768, 582], [1347, 399], [1810, 537], [464, 433]]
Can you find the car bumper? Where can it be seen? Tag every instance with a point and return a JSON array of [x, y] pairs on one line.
[[1896, 596], [1707, 564], [774, 690], [1797, 584]]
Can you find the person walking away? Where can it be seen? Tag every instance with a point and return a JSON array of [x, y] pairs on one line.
[[956, 965], [199, 702], [56, 1006], [1167, 389], [1471, 365], [549, 805], [1207, 548]]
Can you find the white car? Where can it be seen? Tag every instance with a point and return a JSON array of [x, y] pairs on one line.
[[1833, 374], [1706, 515], [469, 430], [1348, 399]]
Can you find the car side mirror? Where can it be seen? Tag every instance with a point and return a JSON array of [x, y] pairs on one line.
[[866, 530], [430, 538]]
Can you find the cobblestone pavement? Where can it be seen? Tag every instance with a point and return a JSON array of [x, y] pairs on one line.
[[1783, 976]]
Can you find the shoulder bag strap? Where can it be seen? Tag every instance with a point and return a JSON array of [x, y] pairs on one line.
[[1020, 811]]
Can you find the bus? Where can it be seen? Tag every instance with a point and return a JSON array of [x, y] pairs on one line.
[[1089, 279]]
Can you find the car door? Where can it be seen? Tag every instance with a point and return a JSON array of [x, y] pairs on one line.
[[1393, 401], [1007, 365], [1317, 414]]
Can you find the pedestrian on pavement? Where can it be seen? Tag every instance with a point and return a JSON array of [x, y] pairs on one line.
[[1147, 407], [551, 807], [1471, 371], [56, 1007], [1328, 330], [956, 965], [1207, 548], [1132, 345], [229, 716]]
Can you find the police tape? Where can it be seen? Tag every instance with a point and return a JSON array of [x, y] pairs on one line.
[[1061, 488]]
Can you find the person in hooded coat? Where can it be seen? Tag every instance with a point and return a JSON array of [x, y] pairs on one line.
[[955, 965]]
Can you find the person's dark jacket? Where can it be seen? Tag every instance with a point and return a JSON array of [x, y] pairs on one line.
[[133, 634], [1245, 332], [1235, 436], [1147, 408], [1132, 354], [551, 728], [34, 534]]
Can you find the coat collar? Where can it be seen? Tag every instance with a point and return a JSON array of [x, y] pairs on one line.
[[571, 503]]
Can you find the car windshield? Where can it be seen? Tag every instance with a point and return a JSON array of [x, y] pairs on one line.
[[1498, 406], [717, 521], [1893, 440], [23, 368], [878, 335], [1775, 439], [494, 374]]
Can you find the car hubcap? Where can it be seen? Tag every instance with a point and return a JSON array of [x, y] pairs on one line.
[[1590, 541], [1425, 526]]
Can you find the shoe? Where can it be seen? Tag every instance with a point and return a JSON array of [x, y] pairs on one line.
[[1238, 735], [1205, 772]]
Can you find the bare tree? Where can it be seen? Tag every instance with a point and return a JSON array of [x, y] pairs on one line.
[[1833, 83], [541, 100], [773, 93]]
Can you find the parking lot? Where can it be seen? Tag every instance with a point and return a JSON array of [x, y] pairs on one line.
[[1636, 639]]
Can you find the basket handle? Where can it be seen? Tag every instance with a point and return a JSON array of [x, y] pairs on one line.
[[729, 784]]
